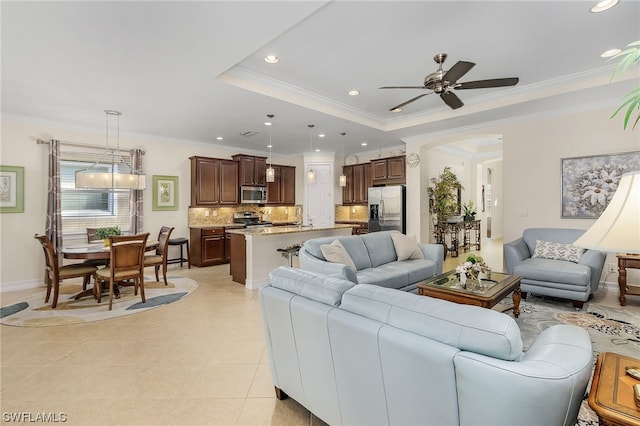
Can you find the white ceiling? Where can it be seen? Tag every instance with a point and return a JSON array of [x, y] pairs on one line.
[[194, 70]]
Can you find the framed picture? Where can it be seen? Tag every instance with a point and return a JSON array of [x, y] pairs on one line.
[[165, 192], [11, 189], [588, 183]]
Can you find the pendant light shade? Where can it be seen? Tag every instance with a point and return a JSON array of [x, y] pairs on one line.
[[311, 174], [121, 176], [271, 173], [343, 179]]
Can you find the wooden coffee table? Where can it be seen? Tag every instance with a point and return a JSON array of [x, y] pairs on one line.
[[487, 294], [611, 393]]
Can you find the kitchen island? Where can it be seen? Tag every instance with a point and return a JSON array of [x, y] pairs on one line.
[[254, 251]]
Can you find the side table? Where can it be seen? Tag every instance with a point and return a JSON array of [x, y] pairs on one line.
[[631, 261], [611, 393]]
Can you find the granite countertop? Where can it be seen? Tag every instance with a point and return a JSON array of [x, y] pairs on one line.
[[276, 230], [218, 226], [352, 221]]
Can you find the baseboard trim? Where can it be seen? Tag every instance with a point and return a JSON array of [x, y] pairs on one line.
[[21, 285]]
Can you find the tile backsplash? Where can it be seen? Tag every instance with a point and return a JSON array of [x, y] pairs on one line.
[[356, 213], [224, 215]]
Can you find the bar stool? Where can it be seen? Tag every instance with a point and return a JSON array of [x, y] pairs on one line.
[[180, 242], [291, 251]]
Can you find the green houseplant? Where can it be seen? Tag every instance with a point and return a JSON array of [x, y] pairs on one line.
[[469, 210], [105, 233], [630, 55], [443, 195]]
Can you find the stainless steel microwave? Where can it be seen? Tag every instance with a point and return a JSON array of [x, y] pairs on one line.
[[253, 194]]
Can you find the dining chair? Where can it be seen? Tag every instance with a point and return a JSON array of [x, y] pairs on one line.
[[160, 258], [54, 273], [91, 238], [126, 262]]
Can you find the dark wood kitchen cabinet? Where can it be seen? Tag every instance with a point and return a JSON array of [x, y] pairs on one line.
[[389, 170], [283, 188], [207, 246], [214, 182], [359, 180], [252, 169]]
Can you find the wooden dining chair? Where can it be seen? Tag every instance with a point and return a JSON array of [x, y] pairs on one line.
[[160, 258], [126, 262], [55, 273], [98, 263]]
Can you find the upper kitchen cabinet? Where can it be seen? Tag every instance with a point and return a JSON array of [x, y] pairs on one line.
[[252, 170], [283, 188], [214, 182], [388, 170], [359, 179]]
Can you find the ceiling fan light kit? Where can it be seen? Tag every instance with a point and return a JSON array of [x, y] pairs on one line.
[[442, 83]]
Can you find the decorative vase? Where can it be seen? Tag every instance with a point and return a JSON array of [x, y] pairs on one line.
[[106, 242], [462, 278]]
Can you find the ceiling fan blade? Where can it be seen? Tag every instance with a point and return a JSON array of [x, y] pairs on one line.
[[457, 71], [483, 84], [451, 99], [409, 101], [401, 87]]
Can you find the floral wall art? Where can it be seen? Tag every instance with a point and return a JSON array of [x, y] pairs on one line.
[[588, 183]]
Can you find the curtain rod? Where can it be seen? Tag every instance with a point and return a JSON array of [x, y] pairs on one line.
[[84, 145]]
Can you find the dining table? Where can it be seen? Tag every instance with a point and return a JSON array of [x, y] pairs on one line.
[[95, 251]]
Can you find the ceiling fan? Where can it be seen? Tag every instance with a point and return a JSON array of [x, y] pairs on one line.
[[441, 82]]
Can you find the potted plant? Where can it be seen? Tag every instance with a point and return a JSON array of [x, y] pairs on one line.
[[443, 195], [629, 56], [105, 233], [469, 211]]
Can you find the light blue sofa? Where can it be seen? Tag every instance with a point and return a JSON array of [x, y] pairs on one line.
[[551, 277], [358, 354], [376, 261]]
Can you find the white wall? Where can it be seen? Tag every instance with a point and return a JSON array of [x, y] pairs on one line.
[[21, 258]]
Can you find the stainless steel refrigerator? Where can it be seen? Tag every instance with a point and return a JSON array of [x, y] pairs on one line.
[[387, 208]]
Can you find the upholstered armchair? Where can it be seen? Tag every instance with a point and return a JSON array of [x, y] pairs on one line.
[[551, 266]]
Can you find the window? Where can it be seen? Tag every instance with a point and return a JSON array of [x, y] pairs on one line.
[[89, 208]]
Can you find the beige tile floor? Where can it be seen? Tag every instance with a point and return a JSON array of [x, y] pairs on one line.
[[199, 361]]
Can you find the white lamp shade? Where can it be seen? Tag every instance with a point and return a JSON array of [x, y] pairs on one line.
[[618, 228], [343, 180], [89, 179], [311, 176], [271, 174]]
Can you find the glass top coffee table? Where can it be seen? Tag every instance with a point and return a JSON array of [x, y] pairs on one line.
[[486, 292]]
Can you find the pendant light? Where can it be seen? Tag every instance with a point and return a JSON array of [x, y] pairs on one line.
[[122, 175], [343, 178], [311, 174], [271, 173]]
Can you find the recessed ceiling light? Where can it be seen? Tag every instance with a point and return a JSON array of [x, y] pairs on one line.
[[396, 110], [267, 123], [271, 59], [321, 135], [353, 93], [219, 138], [317, 150], [603, 5], [364, 144], [609, 53], [269, 146]]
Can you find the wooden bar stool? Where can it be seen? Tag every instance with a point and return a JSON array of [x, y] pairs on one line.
[[180, 242]]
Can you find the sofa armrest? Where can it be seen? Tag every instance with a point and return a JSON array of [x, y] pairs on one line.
[[434, 252], [545, 387], [594, 259], [309, 262], [514, 253]]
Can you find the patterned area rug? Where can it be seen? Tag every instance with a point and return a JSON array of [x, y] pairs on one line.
[[611, 330], [33, 312]]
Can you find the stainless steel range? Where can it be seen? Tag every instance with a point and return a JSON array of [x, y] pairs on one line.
[[250, 219]]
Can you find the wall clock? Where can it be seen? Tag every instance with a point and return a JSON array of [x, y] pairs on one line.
[[413, 159]]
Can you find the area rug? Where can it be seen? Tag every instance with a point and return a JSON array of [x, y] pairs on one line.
[[33, 312], [611, 330]]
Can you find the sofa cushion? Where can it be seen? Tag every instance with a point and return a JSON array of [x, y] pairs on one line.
[[559, 251], [380, 247], [469, 328], [321, 288], [406, 247], [555, 271], [352, 244], [558, 235], [390, 275], [336, 253]]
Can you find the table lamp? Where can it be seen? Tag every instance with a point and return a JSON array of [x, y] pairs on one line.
[[618, 228]]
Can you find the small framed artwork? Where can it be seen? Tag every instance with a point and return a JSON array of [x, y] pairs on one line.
[[588, 183], [11, 189], [165, 193]]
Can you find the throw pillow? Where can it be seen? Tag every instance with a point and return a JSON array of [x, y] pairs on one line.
[[406, 247], [557, 251], [336, 253]]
